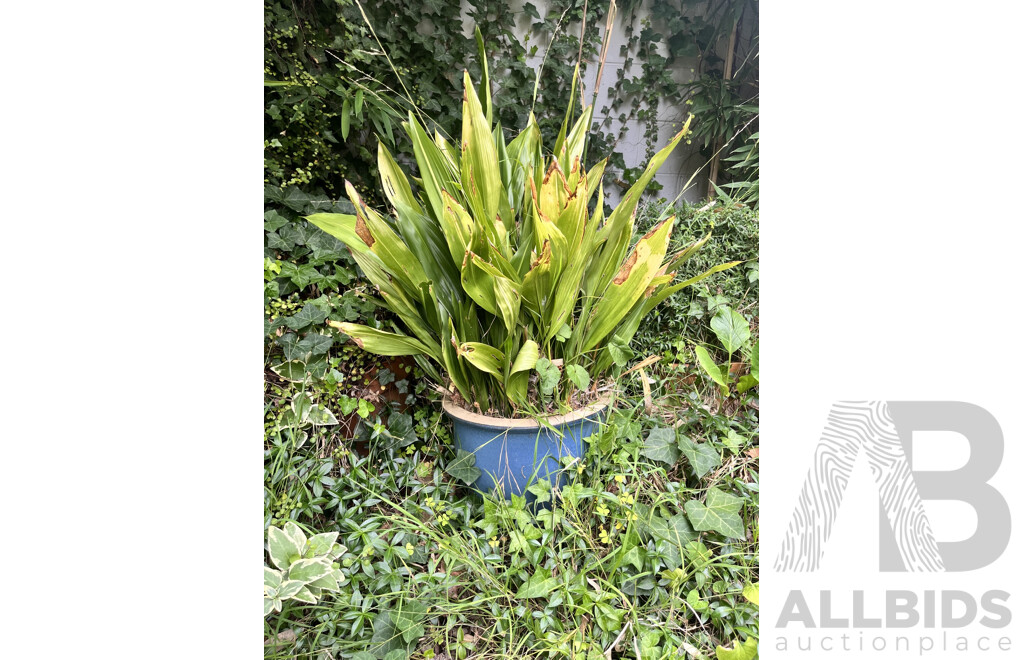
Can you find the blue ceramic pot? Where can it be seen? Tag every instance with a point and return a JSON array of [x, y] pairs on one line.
[[514, 453]]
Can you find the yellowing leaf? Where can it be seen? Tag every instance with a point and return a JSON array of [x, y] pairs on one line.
[[380, 342], [480, 177], [483, 357], [629, 284]]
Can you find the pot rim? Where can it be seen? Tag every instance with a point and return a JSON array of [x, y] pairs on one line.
[[510, 423]]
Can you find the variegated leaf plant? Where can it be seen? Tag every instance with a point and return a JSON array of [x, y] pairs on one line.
[[497, 264], [305, 567]]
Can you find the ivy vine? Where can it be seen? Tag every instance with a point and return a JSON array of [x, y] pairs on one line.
[[342, 74]]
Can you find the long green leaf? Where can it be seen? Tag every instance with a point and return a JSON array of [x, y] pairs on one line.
[[630, 283], [484, 357], [480, 176], [618, 230], [380, 342], [396, 185]]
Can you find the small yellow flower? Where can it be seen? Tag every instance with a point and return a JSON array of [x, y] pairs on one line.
[[604, 536], [409, 548], [620, 479], [579, 468], [493, 542], [601, 509], [625, 498]]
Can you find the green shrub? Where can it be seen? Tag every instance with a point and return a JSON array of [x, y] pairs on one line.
[[497, 271], [305, 567], [687, 313]]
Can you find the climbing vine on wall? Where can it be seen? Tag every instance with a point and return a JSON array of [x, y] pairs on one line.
[[342, 74]]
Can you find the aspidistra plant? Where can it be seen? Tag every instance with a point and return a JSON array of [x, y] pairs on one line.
[[497, 269]]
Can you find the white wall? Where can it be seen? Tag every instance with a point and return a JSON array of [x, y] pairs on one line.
[[684, 161]]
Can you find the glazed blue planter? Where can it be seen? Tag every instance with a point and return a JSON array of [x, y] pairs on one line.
[[514, 453]]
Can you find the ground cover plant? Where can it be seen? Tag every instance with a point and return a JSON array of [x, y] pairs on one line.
[[650, 552]]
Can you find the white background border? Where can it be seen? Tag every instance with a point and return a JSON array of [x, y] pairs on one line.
[[891, 155]]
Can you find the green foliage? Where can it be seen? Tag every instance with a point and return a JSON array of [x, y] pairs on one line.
[[462, 271], [733, 333], [717, 513], [735, 238], [745, 651], [431, 567], [305, 567], [340, 76], [744, 163]]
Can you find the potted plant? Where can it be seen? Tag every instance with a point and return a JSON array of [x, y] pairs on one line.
[[506, 288]]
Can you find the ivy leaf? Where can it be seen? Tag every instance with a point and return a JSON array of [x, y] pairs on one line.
[[408, 619], [402, 428], [541, 489], [301, 406], [563, 333], [315, 343], [275, 242], [717, 513], [326, 247], [348, 404], [519, 541], [731, 329], [292, 234], [578, 376], [549, 375], [676, 530], [293, 371], [295, 199], [386, 636], [694, 599], [320, 416], [289, 343], [661, 445], [701, 456], [385, 377], [464, 467], [633, 557], [745, 651], [310, 314], [539, 585], [272, 220]]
